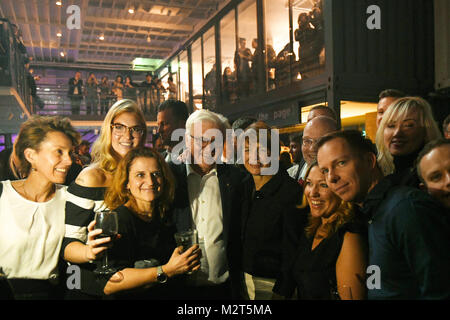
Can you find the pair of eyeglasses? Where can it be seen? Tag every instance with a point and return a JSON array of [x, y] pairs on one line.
[[120, 129], [307, 142], [202, 141]]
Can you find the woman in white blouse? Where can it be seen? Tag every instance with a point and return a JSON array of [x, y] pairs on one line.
[[32, 209]]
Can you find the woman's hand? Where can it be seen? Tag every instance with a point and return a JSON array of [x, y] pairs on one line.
[[183, 262], [94, 246]]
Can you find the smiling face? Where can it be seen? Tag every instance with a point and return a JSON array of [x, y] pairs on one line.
[[404, 136], [347, 174], [322, 201], [124, 142], [252, 161], [145, 180], [52, 159], [435, 171]]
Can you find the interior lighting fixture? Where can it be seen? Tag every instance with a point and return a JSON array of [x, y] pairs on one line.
[[131, 10], [59, 34], [59, 3], [101, 37]]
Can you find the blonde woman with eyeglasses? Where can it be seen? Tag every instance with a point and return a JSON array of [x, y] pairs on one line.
[[123, 129]]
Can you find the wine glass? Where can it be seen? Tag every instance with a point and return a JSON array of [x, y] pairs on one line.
[[108, 222]]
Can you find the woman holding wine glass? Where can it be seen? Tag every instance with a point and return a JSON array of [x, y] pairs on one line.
[[330, 259], [32, 209], [123, 129], [141, 193]]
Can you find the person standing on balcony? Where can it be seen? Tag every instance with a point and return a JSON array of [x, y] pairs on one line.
[[75, 92], [91, 94], [105, 95]]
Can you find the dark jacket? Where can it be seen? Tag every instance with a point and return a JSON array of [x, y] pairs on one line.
[[72, 86], [231, 192], [263, 215], [409, 240]]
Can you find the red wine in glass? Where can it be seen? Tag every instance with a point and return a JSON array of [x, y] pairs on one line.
[[108, 222]]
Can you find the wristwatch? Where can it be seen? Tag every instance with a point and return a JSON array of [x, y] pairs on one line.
[[160, 275]]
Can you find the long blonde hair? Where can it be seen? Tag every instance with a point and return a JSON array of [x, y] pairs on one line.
[[102, 152], [343, 214], [398, 110]]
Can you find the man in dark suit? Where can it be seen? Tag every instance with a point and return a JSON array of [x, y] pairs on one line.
[[208, 199], [75, 92]]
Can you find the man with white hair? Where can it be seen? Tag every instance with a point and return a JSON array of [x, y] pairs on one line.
[[208, 199]]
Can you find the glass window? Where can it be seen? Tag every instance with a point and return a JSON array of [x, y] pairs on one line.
[[277, 43], [309, 41], [184, 77], [173, 87], [209, 63], [247, 29], [197, 74], [228, 48]]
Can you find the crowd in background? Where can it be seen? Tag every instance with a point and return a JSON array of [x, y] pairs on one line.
[[347, 219], [100, 95]]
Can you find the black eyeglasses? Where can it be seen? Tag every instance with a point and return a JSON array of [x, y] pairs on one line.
[[120, 129]]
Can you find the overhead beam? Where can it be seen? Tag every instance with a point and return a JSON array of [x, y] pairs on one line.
[[143, 24]]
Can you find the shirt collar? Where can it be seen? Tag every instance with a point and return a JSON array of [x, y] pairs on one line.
[[375, 196], [190, 170]]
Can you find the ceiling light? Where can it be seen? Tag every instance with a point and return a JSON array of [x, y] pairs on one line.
[[102, 37], [148, 38], [131, 10], [59, 3], [62, 54], [59, 34]]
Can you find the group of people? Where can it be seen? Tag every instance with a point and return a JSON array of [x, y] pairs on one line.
[[309, 232], [100, 95]]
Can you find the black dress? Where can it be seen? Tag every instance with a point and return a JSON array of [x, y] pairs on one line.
[[313, 272]]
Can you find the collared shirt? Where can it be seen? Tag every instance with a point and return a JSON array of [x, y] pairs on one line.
[[206, 207], [409, 242]]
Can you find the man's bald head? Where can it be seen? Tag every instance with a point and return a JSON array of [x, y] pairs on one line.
[[315, 129]]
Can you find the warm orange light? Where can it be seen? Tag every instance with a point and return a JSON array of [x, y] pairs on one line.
[[59, 3]]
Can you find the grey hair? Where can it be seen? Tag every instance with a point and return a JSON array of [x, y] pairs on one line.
[[204, 115]]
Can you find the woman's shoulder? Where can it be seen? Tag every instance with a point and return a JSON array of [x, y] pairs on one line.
[[92, 177]]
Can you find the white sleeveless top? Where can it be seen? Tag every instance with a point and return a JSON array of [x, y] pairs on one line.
[[31, 234]]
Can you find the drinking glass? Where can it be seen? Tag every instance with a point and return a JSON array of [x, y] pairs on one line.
[[186, 239], [108, 222]]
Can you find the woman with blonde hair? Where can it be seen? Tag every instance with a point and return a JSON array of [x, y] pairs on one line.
[[141, 192], [404, 130], [32, 208], [123, 129], [329, 259]]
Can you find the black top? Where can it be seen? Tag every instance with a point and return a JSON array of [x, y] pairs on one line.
[[405, 173], [262, 223], [314, 271], [141, 240]]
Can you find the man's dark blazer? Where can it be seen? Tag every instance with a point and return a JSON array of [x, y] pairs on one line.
[[230, 178]]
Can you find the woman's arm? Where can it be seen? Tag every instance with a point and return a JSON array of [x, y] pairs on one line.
[[131, 278], [83, 197], [77, 252], [351, 267]]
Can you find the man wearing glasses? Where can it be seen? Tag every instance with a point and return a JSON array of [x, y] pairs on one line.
[[314, 129], [208, 199]]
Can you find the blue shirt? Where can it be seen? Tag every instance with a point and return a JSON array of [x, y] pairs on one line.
[[409, 240]]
